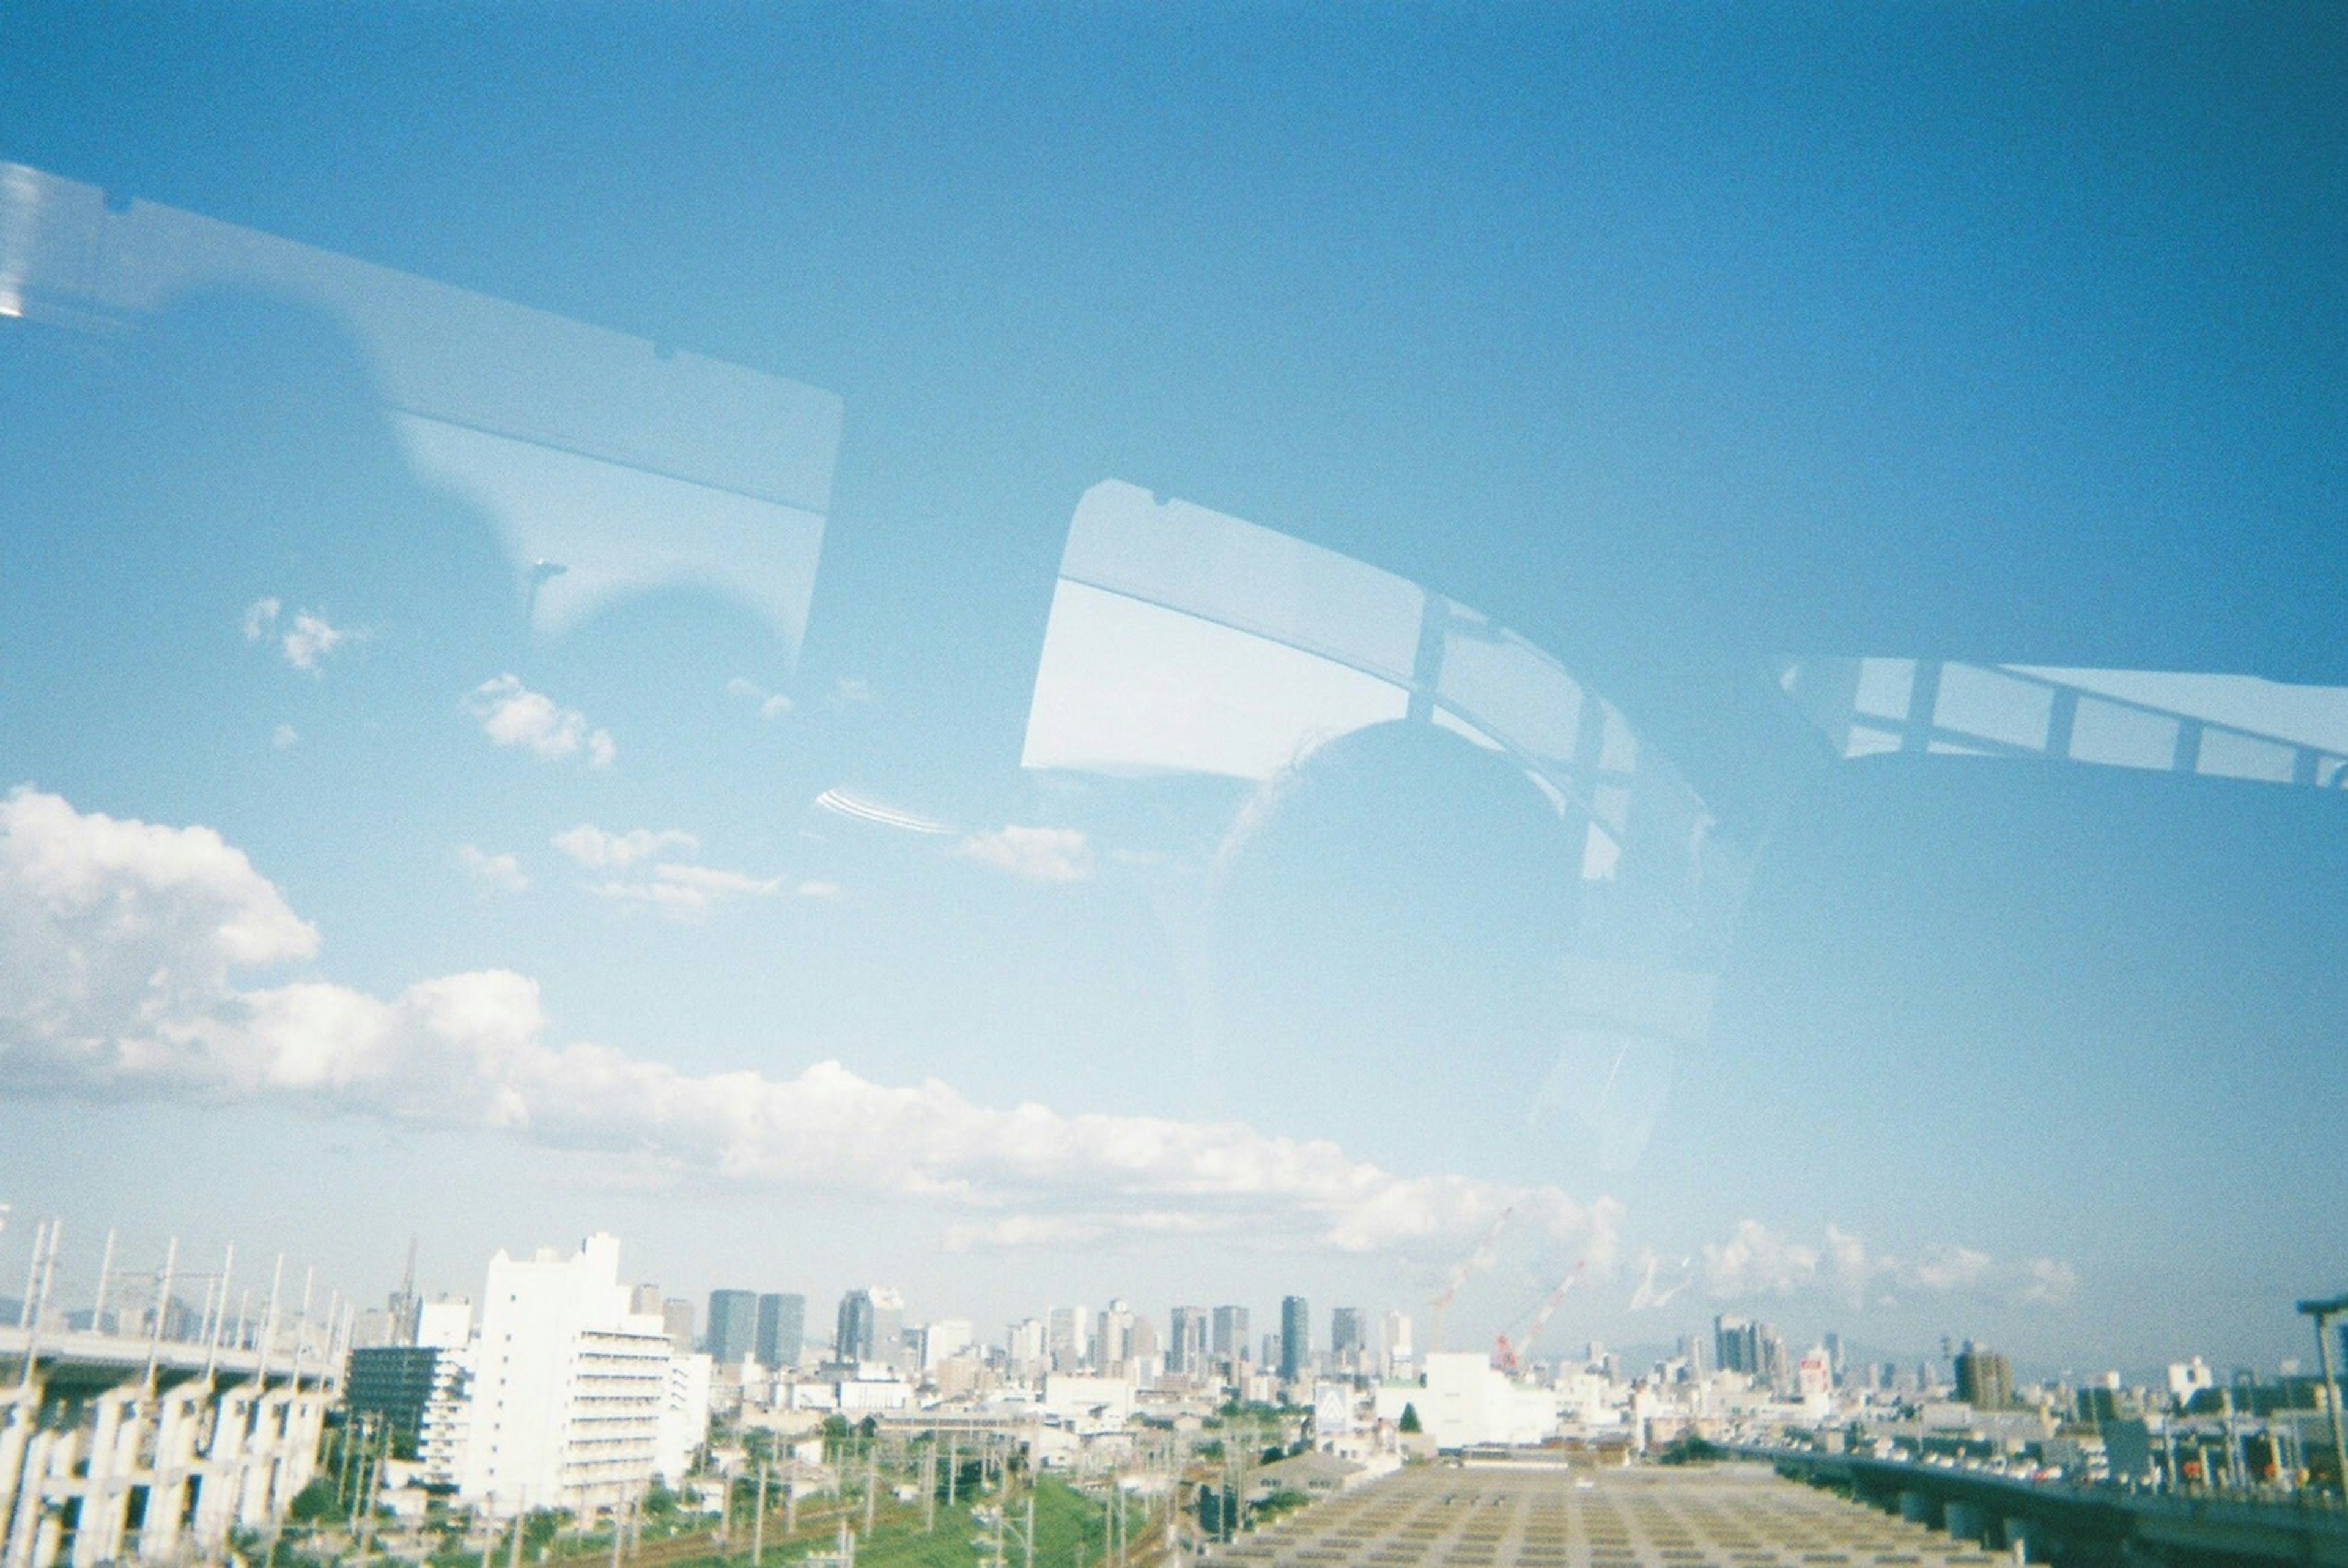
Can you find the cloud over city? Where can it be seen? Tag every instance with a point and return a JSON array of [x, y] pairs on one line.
[[1758, 1262], [125, 977]]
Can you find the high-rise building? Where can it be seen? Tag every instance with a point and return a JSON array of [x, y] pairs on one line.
[[1117, 1340], [732, 1326], [1755, 1349], [1027, 1346], [782, 1329], [677, 1316], [567, 1400], [1068, 1332], [1984, 1377], [871, 1325], [1186, 1341], [1295, 1339], [1349, 1344], [1397, 1345], [645, 1300], [1230, 1341]]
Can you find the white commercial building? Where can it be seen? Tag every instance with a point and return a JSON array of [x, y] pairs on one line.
[[1464, 1399], [571, 1398]]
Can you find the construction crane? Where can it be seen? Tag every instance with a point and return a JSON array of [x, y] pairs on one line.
[[1509, 1358], [1481, 1258]]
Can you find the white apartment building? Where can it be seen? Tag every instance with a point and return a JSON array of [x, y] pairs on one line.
[[571, 1398]]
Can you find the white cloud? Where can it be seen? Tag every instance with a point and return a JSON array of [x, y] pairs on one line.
[[513, 715], [494, 873], [688, 890], [818, 889], [283, 735], [1757, 1261], [306, 643], [675, 887], [118, 979], [1035, 854], [769, 704], [592, 847]]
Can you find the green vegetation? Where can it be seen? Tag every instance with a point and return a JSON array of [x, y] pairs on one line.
[[1691, 1449], [1071, 1528], [1409, 1422]]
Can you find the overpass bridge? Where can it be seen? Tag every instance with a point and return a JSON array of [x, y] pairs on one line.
[[2090, 1526], [116, 1447]]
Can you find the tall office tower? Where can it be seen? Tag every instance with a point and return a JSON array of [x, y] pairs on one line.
[[1736, 1344], [1833, 1343], [645, 1301], [939, 1342], [871, 1325], [567, 1390], [1295, 1339], [782, 1329], [1777, 1367], [1398, 1351], [1349, 1341], [677, 1317], [1984, 1377], [1186, 1341], [1069, 1330], [1229, 1343], [732, 1326], [1112, 1339], [1026, 1348]]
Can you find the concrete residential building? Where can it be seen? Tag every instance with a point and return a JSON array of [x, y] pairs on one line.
[[568, 1388]]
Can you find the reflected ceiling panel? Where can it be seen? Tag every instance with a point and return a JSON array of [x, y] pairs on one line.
[[632, 468], [1183, 641], [2217, 726]]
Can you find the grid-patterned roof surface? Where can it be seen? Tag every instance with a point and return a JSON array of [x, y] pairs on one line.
[[1500, 1517]]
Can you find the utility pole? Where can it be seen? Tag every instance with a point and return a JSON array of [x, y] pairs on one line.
[[2323, 1312], [871, 1483], [759, 1519]]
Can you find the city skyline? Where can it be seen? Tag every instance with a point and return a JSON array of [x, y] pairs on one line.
[[1382, 663]]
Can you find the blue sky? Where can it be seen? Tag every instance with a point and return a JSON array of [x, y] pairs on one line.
[[1676, 341]]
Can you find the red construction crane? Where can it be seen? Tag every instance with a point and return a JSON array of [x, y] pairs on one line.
[[1479, 1258], [1508, 1358]]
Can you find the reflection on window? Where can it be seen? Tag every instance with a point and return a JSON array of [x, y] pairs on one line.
[[1183, 641], [2217, 726], [609, 466]]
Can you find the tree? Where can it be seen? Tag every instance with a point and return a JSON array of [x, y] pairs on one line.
[[1409, 1422], [315, 1503]]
